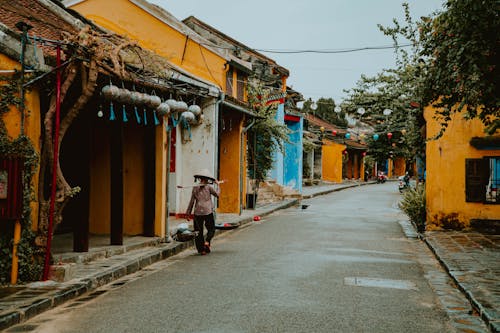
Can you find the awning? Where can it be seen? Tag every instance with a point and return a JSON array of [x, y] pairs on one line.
[[239, 108], [486, 143]]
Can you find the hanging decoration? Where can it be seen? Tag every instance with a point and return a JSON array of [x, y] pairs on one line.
[[375, 137], [124, 111], [100, 114], [111, 112], [348, 135], [389, 135], [334, 133]]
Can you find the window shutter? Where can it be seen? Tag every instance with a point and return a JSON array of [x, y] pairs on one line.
[[476, 171], [229, 82], [240, 91]]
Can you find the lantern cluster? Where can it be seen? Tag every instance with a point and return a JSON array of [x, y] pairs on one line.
[[191, 114]]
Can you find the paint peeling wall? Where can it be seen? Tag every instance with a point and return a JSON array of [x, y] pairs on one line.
[[32, 125], [195, 151], [445, 183]]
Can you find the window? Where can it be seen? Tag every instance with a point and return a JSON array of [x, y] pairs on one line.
[[240, 86], [482, 181], [229, 82]]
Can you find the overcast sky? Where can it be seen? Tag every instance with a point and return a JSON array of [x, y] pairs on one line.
[[311, 25]]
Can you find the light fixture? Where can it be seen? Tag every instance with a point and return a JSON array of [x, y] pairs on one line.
[[387, 112], [314, 106], [361, 111], [337, 109]]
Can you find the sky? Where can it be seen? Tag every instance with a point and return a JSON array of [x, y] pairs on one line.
[[309, 25]]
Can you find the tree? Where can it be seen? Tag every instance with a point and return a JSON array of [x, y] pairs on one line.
[[455, 53], [266, 136]]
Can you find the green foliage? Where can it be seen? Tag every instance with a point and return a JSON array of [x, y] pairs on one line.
[[29, 265], [413, 205], [461, 48], [266, 136]]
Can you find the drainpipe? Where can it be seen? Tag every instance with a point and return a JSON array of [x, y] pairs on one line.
[[167, 238], [245, 129], [218, 102]]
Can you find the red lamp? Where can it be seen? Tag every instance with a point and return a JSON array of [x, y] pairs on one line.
[[389, 135], [334, 132]]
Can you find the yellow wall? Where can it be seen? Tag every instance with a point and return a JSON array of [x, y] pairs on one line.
[[124, 17], [445, 182], [100, 184], [133, 180], [32, 126], [332, 161], [229, 165]]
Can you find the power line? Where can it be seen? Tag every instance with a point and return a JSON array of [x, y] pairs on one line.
[[321, 51]]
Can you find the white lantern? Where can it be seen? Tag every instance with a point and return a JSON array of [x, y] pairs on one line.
[[182, 106], [195, 109], [188, 117], [163, 109]]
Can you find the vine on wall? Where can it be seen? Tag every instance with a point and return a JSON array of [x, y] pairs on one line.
[[30, 263]]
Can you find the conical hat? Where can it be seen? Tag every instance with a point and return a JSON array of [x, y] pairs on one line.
[[204, 173]]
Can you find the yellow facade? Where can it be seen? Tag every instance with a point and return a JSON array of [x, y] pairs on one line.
[[31, 126], [126, 18], [332, 161], [229, 164], [445, 169]]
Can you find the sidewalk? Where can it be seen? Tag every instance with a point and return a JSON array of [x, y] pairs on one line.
[[473, 261]]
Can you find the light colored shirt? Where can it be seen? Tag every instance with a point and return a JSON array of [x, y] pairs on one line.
[[201, 199]]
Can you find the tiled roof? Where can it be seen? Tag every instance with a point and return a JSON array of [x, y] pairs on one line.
[[45, 22]]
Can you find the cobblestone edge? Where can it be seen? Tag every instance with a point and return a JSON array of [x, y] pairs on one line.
[[493, 325]]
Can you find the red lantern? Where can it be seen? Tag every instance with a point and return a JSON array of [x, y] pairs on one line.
[[364, 154], [334, 132], [389, 135], [344, 152]]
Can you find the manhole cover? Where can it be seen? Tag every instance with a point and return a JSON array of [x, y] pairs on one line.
[[379, 283]]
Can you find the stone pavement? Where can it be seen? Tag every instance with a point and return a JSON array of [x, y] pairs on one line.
[[471, 260]]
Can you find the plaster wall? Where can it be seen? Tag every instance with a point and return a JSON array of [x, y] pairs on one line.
[[277, 172], [126, 18], [32, 126], [194, 154], [332, 161], [229, 163], [293, 156], [445, 165]]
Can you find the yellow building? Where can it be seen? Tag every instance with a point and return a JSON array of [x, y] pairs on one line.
[[462, 173], [157, 30]]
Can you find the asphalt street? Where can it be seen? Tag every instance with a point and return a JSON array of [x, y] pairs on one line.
[[343, 264]]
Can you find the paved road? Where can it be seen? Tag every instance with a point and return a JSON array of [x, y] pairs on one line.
[[341, 265]]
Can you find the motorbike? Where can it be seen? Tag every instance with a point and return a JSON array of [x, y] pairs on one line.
[[404, 183], [381, 178]]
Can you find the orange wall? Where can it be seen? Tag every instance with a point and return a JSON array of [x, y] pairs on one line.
[[332, 161], [399, 166], [445, 165], [124, 17], [32, 125], [229, 165]]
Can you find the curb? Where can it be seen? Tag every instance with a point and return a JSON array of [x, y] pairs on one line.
[[32, 306], [490, 321]]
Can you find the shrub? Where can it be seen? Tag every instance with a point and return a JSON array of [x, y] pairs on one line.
[[413, 205]]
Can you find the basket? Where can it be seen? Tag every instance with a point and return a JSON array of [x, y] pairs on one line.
[[185, 236]]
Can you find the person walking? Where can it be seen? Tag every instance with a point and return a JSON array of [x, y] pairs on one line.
[[201, 201]]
